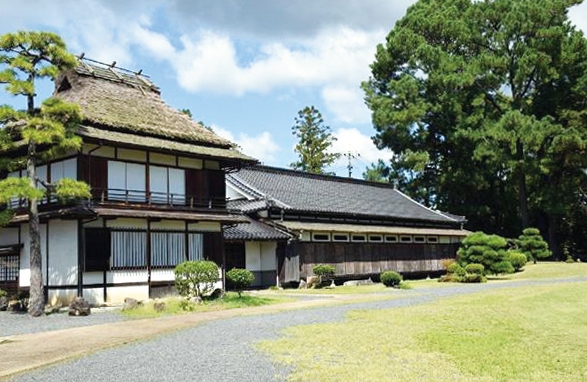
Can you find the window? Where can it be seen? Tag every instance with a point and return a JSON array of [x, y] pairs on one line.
[[376, 238], [129, 249], [126, 181], [63, 169], [9, 268], [359, 238], [391, 238], [167, 185], [405, 239], [419, 239], [320, 237], [432, 239], [340, 237], [167, 249], [196, 246]]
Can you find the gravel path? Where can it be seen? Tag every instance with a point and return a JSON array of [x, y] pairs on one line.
[[21, 323], [223, 350]]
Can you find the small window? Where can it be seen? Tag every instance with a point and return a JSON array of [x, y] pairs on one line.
[[419, 239], [376, 238], [391, 239], [340, 237], [432, 239], [405, 239], [359, 238], [321, 237]]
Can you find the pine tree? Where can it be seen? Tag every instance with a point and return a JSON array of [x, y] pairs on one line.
[[314, 140], [41, 133]]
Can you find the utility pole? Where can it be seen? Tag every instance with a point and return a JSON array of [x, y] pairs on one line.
[[350, 156]]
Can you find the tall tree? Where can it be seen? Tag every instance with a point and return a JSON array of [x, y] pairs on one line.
[[314, 140], [481, 101], [41, 132]]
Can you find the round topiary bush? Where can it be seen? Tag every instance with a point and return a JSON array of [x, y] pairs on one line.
[[489, 250], [456, 269], [196, 278], [391, 278], [517, 259], [475, 269], [323, 270], [533, 245], [239, 279]]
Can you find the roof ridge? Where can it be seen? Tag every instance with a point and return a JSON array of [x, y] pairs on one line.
[[327, 177]]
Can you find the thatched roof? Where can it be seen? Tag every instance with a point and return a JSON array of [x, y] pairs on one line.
[[128, 102]]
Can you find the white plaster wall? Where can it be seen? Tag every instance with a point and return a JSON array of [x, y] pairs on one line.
[[132, 155], [63, 248], [119, 277], [94, 296], [24, 276], [64, 297], [162, 159], [233, 194], [127, 223], [162, 275], [212, 165], [8, 236], [93, 277], [99, 223], [204, 226], [253, 255], [174, 225], [268, 256], [104, 151], [190, 163]]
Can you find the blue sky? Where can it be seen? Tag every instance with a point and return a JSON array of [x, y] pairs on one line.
[[245, 67]]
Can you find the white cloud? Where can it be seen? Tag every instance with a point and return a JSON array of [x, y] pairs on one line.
[[346, 103], [261, 146], [361, 146]]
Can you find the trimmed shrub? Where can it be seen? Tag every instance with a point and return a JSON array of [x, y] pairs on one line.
[[239, 279], [323, 270], [517, 259], [196, 278], [456, 269], [391, 278], [475, 269], [3, 293], [533, 245], [569, 260], [488, 250], [474, 278]]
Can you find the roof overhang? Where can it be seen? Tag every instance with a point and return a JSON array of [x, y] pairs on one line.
[[8, 250], [377, 229], [169, 215]]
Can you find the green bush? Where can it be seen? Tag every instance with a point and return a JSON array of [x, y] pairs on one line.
[[456, 269], [3, 293], [533, 245], [323, 270], [239, 279], [569, 260], [391, 278], [488, 250], [517, 259], [475, 269], [196, 278]]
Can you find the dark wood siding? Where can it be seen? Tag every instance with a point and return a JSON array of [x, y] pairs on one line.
[[94, 171], [235, 255], [206, 187], [356, 259]]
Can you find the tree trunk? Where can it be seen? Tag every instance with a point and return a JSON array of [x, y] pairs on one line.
[[522, 193], [552, 236], [36, 300]]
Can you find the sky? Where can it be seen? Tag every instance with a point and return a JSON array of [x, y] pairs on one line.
[[243, 67]]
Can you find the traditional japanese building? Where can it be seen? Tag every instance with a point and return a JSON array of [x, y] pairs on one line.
[[158, 194], [362, 228]]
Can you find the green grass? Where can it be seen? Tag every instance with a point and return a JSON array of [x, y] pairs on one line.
[[176, 305], [529, 333], [548, 270]]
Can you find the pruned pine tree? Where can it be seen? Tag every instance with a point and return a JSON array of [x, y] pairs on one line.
[[36, 133], [314, 141], [483, 105]]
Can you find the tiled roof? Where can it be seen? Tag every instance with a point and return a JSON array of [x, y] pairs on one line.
[[246, 206], [255, 230], [303, 192]]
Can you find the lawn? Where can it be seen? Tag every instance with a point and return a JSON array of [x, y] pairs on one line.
[[528, 333], [177, 305]]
